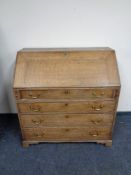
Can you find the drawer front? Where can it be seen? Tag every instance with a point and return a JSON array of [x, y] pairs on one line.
[[67, 133], [65, 94], [69, 107], [65, 120]]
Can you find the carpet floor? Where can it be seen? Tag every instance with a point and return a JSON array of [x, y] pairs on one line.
[[65, 158]]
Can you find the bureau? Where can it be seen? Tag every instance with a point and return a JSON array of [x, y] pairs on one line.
[[66, 95]]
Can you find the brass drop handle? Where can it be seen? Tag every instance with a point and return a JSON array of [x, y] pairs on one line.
[[96, 121], [37, 122], [35, 109], [34, 97], [39, 135], [98, 96], [97, 108], [94, 134]]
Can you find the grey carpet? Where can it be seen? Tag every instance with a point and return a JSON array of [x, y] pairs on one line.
[[65, 158]]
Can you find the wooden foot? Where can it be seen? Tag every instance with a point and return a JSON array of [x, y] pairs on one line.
[[100, 142], [25, 144], [108, 143]]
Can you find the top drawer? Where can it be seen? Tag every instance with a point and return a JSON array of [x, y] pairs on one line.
[[65, 93]]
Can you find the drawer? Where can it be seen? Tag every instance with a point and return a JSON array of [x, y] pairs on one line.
[[67, 133], [69, 107], [65, 120], [65, 93]]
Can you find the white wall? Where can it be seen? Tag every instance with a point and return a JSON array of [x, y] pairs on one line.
[[64, 23]]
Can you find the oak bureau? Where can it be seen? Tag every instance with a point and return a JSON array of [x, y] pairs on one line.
[[66, 95]]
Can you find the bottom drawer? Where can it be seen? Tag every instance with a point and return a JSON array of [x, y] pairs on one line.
[[67, 133]]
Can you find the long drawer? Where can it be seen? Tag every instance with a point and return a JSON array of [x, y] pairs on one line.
[[67, 93], [65, 120], [68, 107], [67, 133]]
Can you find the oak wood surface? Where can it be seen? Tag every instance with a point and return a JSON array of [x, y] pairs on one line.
[[66, 69], [67, 93], [67, 133], [36, 120], [68, 107]]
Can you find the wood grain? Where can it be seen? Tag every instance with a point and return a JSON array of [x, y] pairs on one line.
[[68, 107], [66, 69], [36, 120], [67, 133], [66, 93]]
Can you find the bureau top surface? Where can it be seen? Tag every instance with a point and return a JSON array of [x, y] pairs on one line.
[[76, 67]]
